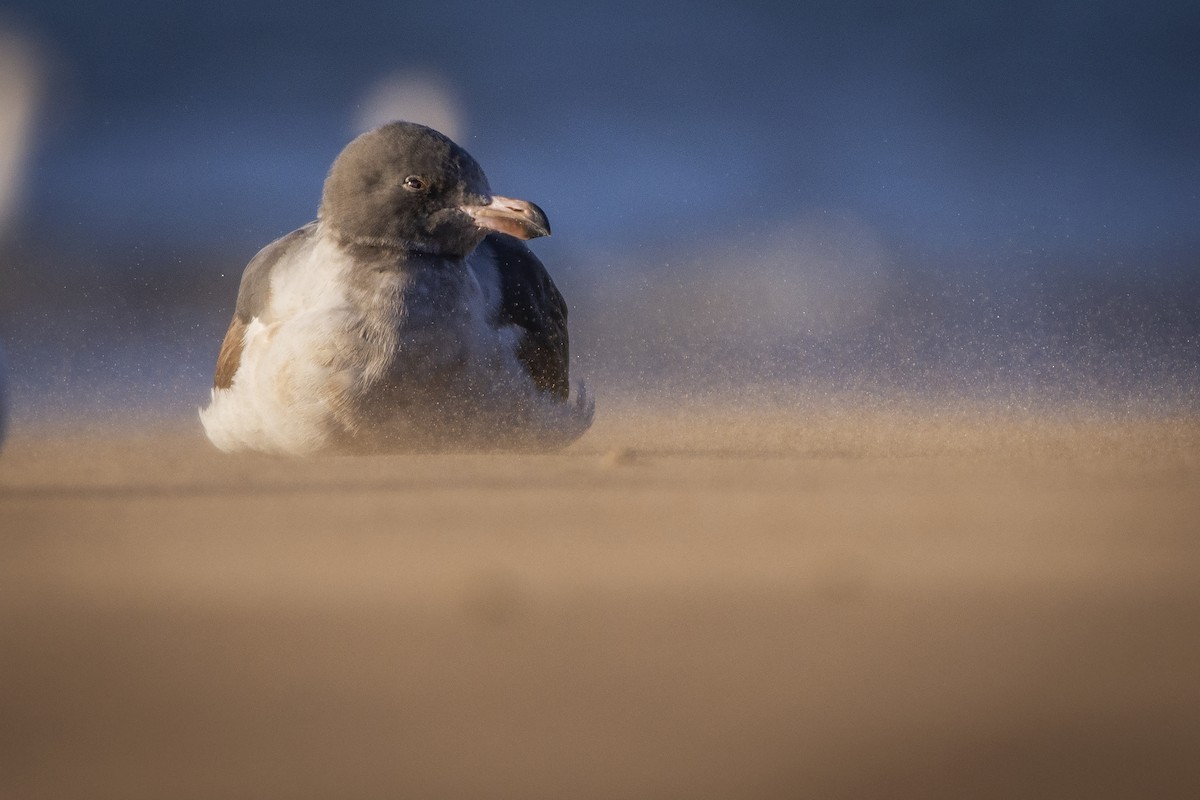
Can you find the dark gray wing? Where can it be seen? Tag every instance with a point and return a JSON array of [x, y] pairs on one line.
[[529, 299], [254, 293]]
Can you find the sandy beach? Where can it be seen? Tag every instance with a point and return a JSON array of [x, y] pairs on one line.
[[717, 603]]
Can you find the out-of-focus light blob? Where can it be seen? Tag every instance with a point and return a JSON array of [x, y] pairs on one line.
[[20, 79], [420, 97]]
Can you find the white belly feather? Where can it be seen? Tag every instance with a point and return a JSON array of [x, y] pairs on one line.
[[339, 360]]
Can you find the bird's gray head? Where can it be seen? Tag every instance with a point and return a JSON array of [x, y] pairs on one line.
[[406, 186]]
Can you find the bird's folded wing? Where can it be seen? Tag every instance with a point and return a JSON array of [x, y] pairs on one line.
[[254, 294], [530, 300]]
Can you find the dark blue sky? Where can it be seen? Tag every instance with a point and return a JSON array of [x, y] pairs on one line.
[[992, 198], [963, 130]]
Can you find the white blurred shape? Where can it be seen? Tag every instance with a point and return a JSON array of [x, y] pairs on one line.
[[420, 97], [20, 80]]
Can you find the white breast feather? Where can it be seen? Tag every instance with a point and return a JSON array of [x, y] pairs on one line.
[[324, 338], [279, 399]]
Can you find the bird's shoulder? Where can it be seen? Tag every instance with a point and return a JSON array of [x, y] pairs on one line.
[[254, 292], [525, 295], [254, 295]]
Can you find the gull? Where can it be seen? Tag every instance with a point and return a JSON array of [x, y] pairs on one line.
[[409, 316]]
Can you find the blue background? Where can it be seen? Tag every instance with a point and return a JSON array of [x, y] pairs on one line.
[[1016, 186]]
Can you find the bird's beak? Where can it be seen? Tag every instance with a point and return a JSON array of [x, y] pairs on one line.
[[518, 218]]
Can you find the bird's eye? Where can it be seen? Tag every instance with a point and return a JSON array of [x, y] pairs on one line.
[[415, 183]]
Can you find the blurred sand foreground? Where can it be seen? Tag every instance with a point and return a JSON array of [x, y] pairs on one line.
[[714, 605]]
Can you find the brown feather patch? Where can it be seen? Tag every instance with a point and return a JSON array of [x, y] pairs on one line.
[[230, 357]]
